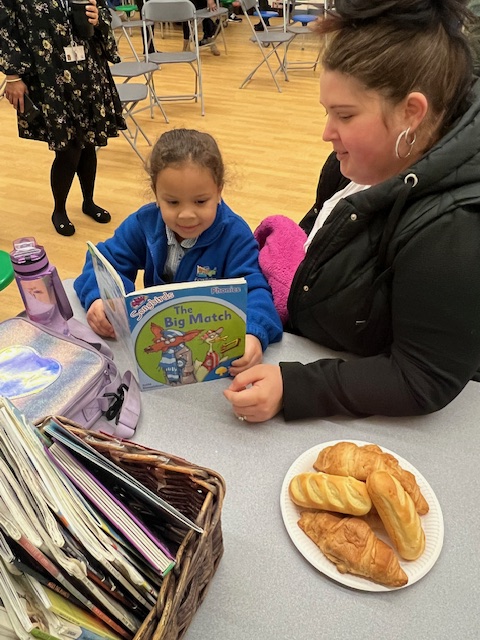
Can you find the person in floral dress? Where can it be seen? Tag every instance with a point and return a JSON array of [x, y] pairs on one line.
[[68, 79]]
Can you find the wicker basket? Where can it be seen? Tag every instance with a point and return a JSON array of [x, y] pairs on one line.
[[198, 493]]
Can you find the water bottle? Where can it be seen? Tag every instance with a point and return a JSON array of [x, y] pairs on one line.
[[81, 26], [41, 289]]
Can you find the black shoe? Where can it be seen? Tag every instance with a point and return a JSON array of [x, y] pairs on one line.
[[259, 27], [97, 213], [62, 224], [203, 42], [234, 18]]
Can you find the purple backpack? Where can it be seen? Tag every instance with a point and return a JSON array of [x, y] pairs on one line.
[[46, 373]]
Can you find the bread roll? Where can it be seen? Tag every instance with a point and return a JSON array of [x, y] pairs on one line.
[[348, 459], [352, 545], [331, 493], [398, 514]]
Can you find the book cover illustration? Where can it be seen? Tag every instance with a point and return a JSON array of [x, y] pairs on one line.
[[189, 334], [178, 333]]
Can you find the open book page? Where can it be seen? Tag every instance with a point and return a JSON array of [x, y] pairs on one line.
[[95, 460], [112, 292]]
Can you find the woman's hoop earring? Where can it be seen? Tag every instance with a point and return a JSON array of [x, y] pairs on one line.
[[404, 134]]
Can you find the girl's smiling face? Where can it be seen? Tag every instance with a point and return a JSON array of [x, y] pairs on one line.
[[188, 198], [362, 127]]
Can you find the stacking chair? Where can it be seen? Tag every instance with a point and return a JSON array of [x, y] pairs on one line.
[[301, 15], [123, 28], [270, 39], [220, 15], [132, 70], [179, 11], [130, 95]]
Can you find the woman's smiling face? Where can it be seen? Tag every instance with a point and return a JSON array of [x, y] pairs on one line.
[[362, 127]]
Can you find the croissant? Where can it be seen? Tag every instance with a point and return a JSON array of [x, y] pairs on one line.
[[348, 459], [351, 544], [398, 514], [331, 493]]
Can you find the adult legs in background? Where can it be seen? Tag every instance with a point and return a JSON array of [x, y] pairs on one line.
[[87, 172], [151, 47], [263, 6], [69, 161], [208, 26]]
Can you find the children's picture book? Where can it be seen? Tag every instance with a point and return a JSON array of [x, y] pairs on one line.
[[112, 474], [153, 550], [178, 333]]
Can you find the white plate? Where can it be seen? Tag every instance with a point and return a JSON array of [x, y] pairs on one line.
[[432, 524]]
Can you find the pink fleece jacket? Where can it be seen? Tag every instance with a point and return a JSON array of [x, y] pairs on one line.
[[281, 243]]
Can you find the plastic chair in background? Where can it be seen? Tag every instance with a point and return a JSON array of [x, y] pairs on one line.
[[123, 28], [130, 94], [131, 70], [302, 14], [268, 38], [219, 16], [178, 11]]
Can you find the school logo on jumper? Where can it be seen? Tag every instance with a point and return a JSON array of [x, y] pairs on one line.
[[204, 273]]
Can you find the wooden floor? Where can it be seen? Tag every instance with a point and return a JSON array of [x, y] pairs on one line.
[[271, 143]]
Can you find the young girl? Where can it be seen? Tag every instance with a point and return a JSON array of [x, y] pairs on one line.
[[188, 231]]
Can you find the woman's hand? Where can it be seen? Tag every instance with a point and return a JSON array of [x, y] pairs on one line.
[[92, 12], [256, 394], [14, 92], [211, 5], [97, 319], [253, 355]]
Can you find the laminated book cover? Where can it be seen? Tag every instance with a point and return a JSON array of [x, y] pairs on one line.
[[179, 333]]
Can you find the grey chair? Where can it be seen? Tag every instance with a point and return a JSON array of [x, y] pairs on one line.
[[301, 15], [220, 16], [131, 93], [123, 29], [269, 42], [178, 11], [132, 70]]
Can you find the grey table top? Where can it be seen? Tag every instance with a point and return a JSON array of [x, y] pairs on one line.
[[264, 588]]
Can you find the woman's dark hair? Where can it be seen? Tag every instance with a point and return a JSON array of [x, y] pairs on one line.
[[396, 47], [178, 146]]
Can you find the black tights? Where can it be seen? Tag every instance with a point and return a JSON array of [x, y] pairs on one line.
[[68, 162]]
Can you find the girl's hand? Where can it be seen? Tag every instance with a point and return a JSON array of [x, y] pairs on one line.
[[257, 394], [14, 92], [253, 355], [99, 322], [92, 12]]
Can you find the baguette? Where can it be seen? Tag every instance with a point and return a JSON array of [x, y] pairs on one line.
[[348, 459], [352, 545], [330, 493], [398, 514]]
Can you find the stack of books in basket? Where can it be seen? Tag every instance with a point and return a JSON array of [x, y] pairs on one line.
[[89, 549]]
